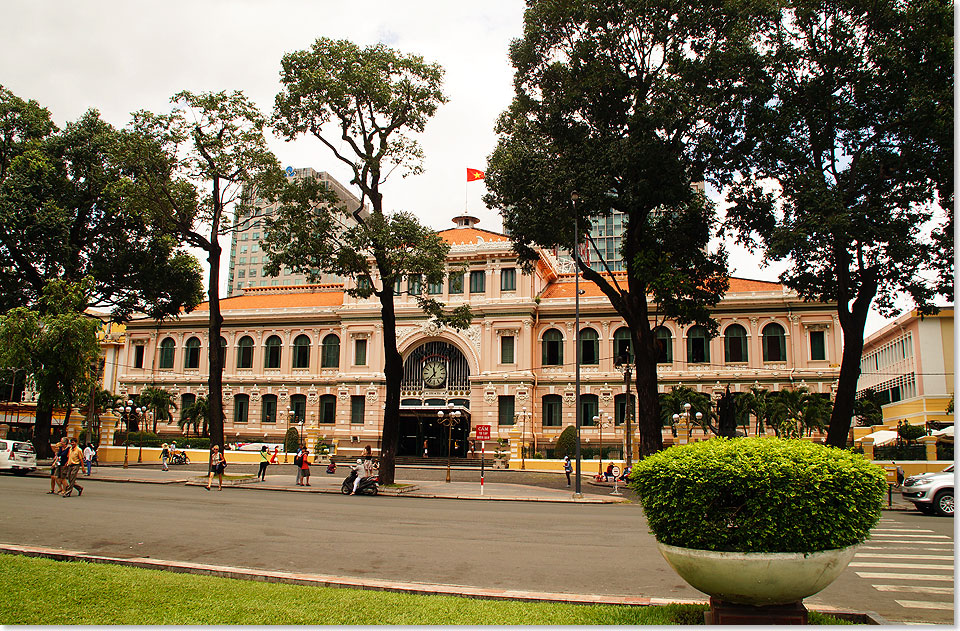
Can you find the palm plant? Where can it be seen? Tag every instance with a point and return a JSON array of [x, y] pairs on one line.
[[196, 415], [672, 403], [760, 403], [158, 400]]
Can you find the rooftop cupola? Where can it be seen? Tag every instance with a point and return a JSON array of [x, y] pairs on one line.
[[466, 221]]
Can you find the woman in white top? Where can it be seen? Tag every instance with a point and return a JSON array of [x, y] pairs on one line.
[[88, 454], [217, 464]]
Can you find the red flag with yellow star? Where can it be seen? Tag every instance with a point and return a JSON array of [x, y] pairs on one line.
[[474, 174]]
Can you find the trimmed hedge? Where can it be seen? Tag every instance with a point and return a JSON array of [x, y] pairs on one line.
[[759, 495]]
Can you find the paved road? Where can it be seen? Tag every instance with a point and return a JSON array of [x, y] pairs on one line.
[[569, 548]]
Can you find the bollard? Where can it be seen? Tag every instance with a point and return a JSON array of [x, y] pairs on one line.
[[889, 496]]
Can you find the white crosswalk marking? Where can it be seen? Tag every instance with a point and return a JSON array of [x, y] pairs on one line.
[[883, 535], [943, 543], [912, 577], [898, 530], [903, 566], [914, 589], [928, 557], [925, 604]]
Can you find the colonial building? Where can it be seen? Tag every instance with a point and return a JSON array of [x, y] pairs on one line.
[[310, 356]]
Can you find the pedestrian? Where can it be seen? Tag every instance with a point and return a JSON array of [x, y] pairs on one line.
[[264, 461], [608, 474], [273, 458], [567, 468], [88, 453], [298, 463], [305, 467], [900, 475], [424, 447], [56, 486], [74, 461], [359, 469], [165, 456], [217, 464]]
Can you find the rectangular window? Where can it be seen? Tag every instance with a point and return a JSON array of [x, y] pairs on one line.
[[242, 260], [508, 279], [243, 249], [241, 273], [506, 349], [269, 411], [138, 356], [506, 406], [357, 406], [414, 284], [240, 410], [255, 248], [360, 352], [253, 273], [818, 349], [456, 283], [435, 288], [256, 235], [552, 408], [328, 409], [477, 282]]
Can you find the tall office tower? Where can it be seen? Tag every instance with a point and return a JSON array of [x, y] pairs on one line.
[[246, 256]]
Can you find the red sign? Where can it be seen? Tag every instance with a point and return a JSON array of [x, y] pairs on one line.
[[483, 432]]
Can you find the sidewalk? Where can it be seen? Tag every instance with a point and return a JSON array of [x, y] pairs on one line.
[[323, 483]]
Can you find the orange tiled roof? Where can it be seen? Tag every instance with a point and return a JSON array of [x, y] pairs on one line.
[[565, 287], [459, 236], [271, 300]]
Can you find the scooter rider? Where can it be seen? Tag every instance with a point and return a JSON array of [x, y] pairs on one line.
[[358, 469]]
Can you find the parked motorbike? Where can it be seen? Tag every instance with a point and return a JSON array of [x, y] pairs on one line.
[[368, 486], [179, 458]]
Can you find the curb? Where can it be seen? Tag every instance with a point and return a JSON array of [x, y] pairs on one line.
[[434, 589]]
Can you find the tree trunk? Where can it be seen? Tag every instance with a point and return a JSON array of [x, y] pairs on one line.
[[393, 374], [42, 423], [842, 415], [215, 379]]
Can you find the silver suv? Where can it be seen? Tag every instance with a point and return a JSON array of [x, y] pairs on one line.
[[931, 492]]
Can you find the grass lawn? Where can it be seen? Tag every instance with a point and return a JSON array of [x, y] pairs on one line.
[[41, 591]]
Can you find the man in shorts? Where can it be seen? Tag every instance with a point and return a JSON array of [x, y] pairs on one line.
[[56, 477]]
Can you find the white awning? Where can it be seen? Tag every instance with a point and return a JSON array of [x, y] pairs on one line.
[[946, 431], [881, 437]]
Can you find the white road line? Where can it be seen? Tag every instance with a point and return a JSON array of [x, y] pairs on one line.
[[906, 577], [905, 566], [929, 557], [897, 530], [881, 534], [944, 543], [923, 604], [915, 589]]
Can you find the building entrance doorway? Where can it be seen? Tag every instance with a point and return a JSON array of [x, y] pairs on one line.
[[421, 432]]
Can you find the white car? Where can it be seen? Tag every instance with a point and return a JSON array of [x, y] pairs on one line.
[[931, 492], [17, 456]]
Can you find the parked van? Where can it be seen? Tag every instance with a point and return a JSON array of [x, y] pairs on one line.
[[17, 456]]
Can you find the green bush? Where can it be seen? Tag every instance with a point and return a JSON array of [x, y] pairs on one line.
[[291, 441], [566, 443], [759, 495], [195, 442], [138, 439], [910, 432]]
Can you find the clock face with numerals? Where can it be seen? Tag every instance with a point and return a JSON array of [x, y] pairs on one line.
[[434, 373]]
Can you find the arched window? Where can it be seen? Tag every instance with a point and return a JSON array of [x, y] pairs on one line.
[[223, 351], [301, 352], [589, 347], [553, 348], [623, 344], [620, 408], [268, 409], [245, 352], [191, 353], [589, 407], [241, 407], [735, 344], [187, 401], [167, 347], [298, 403], [271, 356], [774, 343], [328, 408], [552, 410], [698, 345], [330, 357], [663, 340]]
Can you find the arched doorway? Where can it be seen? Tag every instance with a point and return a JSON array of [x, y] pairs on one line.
[[435, 375]]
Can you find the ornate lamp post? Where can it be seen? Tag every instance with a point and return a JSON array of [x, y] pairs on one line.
[[685, 415], [124, 412], [141, 412], [448, 417], [521, 418], [602, 420], [623, 365]]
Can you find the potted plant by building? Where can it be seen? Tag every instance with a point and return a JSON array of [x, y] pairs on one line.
[[759, 524], [500, 457]]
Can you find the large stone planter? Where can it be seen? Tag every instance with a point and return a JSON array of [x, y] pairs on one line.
[[758, 578]]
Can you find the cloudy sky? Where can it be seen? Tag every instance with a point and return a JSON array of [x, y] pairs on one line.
[[123, 55]]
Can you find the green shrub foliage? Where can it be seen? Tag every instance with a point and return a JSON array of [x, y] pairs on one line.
[[566, 443], [759, 495], [291, 441]]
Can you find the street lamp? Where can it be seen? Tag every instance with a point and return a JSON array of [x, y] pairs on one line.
[[448, 417], [124, 412], [521, 418], [601, 420], [141, 411], [624, 365], [685, 415]]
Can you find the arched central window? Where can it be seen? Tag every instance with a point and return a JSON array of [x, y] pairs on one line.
[[328, 408], [663, 341], [268, 409], [298, 403], [241, 408], [698, 345], [552, 410], [735, 344], [774, 343], [623, 344], [191, 353], [167, 347], [620, 408], [589, 347], [271, 356], [245, 352], [553, 348], [330, 352], [301, 352], [589, 407]]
